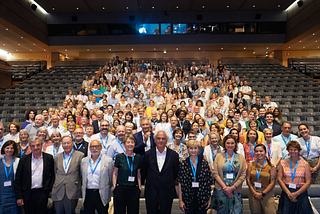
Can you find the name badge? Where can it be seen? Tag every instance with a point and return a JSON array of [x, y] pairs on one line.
[[195, 184], [257, 184], [180, 156], [252, 160], [7, 183], [229, 175], [131, 178], [292, 186]]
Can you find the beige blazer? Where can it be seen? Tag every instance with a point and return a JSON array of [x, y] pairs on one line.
[[105, 184], [217, 171], [67, 183]]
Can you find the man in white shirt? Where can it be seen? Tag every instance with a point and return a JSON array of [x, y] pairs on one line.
[[56, 126], [246, 90], [97, 170], [158, 99], [237, 119], [268, 103], [86, 82], [82, 97], [34, 179]]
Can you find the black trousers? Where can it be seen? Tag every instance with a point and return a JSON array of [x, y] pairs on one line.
[[126, 199], [93, 202], [158, 206], [37, 202]]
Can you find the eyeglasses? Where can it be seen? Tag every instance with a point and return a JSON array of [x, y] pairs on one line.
[[104, 125], [95, 147]]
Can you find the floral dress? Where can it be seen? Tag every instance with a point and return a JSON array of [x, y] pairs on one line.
[[201, 194], [220, 201]]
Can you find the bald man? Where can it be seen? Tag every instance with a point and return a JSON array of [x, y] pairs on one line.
[[268, 103], [79, 143]]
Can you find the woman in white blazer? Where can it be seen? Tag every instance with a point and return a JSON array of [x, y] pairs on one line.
[[8, 167], [274, 152]]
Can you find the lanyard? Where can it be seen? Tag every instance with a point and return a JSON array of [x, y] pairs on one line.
[[171, 132], [293, 173], [174, 147], [5, 167], [14, 136], [121, 145], [252, 152], [194, 169], [1, 141], [200, 131], [64, 159], [54, 129], [31, 127], [214, 155], [75, 146], [21, 151], [230, 163], [258, 173], [285, 142], [130, 166], [84, 130], [93, 170], [54, 150], [104, 146], [261, 120], [162, 126], [307, 145], [269, 146], [44, 143]]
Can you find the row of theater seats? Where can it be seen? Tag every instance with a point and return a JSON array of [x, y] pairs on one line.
[[310, 68], [45, 90], [296, 94], [22, 72]]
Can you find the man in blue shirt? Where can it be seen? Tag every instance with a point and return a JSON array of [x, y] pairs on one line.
[[113, 100], [98, 94]]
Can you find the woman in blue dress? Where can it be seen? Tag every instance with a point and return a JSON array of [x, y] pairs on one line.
[[8, 168]]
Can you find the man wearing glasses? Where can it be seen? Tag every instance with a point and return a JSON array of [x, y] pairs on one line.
[[104, 136], [97, 170]]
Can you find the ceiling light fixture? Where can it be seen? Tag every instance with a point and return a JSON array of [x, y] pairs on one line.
[[127, 8], [221, 48], [103, 8], [34, 44], [300, 40], [18, 44], [288, 47], [39, 7], [164, 51], [16, 50], [292, 5], [278, 5], [30, 50], [303, 47], [65, 50], [132, 49], [253, 5], [44, 49], [154, 49], [316, 40], [202, 6], [244, 48], [199, 48], [177, 6], [53, 8], [110, 49], [177, 49], [77, 8], [228, 6], [313, 34], [152, 7], [7, 29], [267, 47], [254, 52], [88, 49], [21, 37]]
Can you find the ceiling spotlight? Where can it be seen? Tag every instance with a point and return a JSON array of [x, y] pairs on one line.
[[4, 44], [227, 6], [65, 50], [53, 8], [152, 7], [313, 34], [77, 8], [16, 50], [88, 49], [177, 7], [103, 8], [21, 37], [132, 49], [7, 29], [288, 47], [244, 48], [44, 49], [18, 44], [300, 40], [254, 52], [221, 48], [202, 6], [154, 49], [199, 48], [34, 44], [127, 8], [110, 49], [316, 40], [164, 51], [30, 50], [278, 5], [318, 46], [253, 5], [267, 47], [177, 48], [303, 47]]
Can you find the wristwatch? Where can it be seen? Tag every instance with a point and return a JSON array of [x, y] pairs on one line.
[[263, 194]]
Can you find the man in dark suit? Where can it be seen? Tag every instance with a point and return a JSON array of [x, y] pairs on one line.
[[34, 179], [144, 138], [96, 123], [271, 124], [160, 166]]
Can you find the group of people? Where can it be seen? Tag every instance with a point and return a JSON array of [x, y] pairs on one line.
[[109, 140]]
